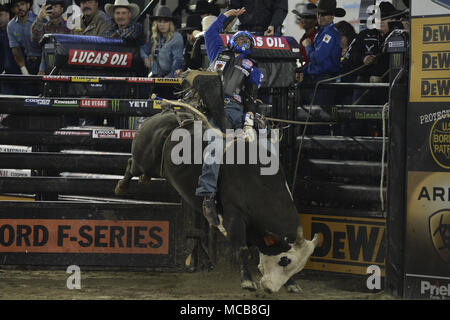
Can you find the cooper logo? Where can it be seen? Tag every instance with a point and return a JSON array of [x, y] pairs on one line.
[[440, 141], [439, 227], [100, 58], [38, 102]]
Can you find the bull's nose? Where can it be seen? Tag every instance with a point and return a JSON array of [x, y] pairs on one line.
[[268, 286], [267, 290]]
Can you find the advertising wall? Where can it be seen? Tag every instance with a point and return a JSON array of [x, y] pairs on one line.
[[427, 251]]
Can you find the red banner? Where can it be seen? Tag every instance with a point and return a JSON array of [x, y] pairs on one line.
[[93, 103], [84, 236], [100, 58], [271, 43]]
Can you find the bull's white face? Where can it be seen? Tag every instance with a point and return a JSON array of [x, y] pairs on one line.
[[277, 270]]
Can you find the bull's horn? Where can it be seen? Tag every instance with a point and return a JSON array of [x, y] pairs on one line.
[[300, 236]]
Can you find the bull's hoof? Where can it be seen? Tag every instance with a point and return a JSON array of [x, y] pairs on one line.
[[249, 285], [143, 179], [293, 288], [120, 190]]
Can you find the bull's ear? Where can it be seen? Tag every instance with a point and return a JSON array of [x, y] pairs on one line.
[[270, 239], [273, 244], [300, 236]]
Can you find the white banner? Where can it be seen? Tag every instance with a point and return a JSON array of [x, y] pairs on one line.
[[430, 7]]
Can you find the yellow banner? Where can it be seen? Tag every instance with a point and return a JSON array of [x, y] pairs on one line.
[[430, 60], [347, 245], [168, 80], [86, 79], [157, 105]]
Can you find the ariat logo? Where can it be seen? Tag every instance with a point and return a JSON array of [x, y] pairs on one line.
[[439, 227]]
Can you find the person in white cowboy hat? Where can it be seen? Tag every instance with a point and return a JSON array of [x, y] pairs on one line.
[[123, 13]]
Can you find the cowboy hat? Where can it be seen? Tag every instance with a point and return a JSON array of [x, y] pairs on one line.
[[134, 8], [207, 21], [163, 12], [388, 11], [193, 22], [205, 7], [327, 6], [306, 12]]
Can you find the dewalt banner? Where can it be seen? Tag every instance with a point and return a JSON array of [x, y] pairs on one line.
[[430, 59], [347, 245]]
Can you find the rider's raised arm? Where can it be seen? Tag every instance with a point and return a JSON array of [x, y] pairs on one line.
[[213, 41]]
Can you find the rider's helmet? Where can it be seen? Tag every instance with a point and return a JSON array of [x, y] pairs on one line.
[[236, 44]]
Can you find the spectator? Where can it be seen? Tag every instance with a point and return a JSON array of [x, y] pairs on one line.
[[308, 22], [199, 50], [94, 22], [261, 17], [205, 8], [193, 25], [53, 9], [123, 27], [348, 35], [27, 54], [7, 63], [367, 50], [324, 52], [163, 54], [14, 10], [345, 95]]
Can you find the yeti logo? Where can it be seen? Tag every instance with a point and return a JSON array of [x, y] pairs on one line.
[[439, 227]]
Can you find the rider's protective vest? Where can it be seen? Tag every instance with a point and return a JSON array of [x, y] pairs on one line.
[[234, 72]]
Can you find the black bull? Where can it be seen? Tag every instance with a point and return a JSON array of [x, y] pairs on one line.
[[257, 209]]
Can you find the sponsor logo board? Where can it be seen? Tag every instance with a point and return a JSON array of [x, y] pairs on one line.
[[84, 236], [347, 245], [100, 58]]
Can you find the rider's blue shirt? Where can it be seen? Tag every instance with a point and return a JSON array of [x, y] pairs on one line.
[[214, 46]]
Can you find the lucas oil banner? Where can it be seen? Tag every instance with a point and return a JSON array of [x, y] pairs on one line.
[[427, 247]]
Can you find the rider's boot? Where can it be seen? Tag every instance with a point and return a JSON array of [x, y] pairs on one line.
[[210, 211]]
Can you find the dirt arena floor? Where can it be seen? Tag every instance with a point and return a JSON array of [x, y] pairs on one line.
[[222, 283]]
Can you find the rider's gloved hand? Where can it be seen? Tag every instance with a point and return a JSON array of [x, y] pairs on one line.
[[24, 71], [248, 126]]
